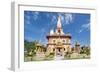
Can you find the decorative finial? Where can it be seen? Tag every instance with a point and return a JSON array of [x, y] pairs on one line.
[[51, 32]]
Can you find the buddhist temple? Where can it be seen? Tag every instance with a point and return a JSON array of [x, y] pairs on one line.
[[59, 42]]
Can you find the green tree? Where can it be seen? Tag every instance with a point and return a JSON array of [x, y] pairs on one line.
[[85, 50], [29, 46]]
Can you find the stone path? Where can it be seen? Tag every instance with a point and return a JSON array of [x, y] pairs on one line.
[[58, 57]]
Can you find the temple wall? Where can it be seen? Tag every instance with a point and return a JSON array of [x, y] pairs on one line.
[[50, 48], [55, 40], [67, 48]]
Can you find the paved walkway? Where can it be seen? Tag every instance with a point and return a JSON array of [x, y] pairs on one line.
[[58, 57]]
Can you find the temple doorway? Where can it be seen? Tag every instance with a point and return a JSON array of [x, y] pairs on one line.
[[59, 53]]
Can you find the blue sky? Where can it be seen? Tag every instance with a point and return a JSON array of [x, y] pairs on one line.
[[38, 24]]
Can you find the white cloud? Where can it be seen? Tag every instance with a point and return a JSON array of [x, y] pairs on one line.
[[66, 18], [35, 15], [85, 27], [54, 19]]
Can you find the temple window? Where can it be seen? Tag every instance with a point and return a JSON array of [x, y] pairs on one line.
[[63, 41]]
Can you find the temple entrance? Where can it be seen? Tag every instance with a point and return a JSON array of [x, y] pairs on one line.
[[59, 53]]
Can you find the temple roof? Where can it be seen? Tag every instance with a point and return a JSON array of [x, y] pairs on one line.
[[59, 31], [57, 36]]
